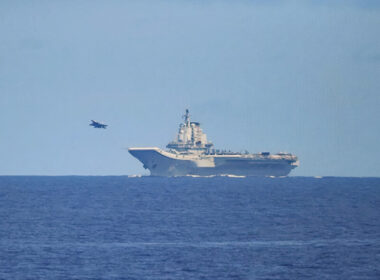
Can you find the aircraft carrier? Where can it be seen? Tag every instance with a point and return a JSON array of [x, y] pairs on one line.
[[190, 154]]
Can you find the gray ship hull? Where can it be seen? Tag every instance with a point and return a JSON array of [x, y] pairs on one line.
[[163, 163]]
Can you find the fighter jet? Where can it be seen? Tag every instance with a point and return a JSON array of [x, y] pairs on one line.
[[96, 124]]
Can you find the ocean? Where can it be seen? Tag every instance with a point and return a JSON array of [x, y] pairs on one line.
[[116, 227]]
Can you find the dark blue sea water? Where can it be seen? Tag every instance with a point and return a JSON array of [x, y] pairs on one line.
[[189, 228]]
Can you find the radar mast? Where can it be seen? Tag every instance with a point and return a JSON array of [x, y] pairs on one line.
[[186, 117]]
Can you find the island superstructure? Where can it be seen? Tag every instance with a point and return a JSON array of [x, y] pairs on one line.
[[192, 154]]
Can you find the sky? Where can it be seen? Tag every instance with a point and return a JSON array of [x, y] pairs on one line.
[[295, 76]]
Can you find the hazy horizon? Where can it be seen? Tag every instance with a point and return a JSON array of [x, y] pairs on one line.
[[294, 76]]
